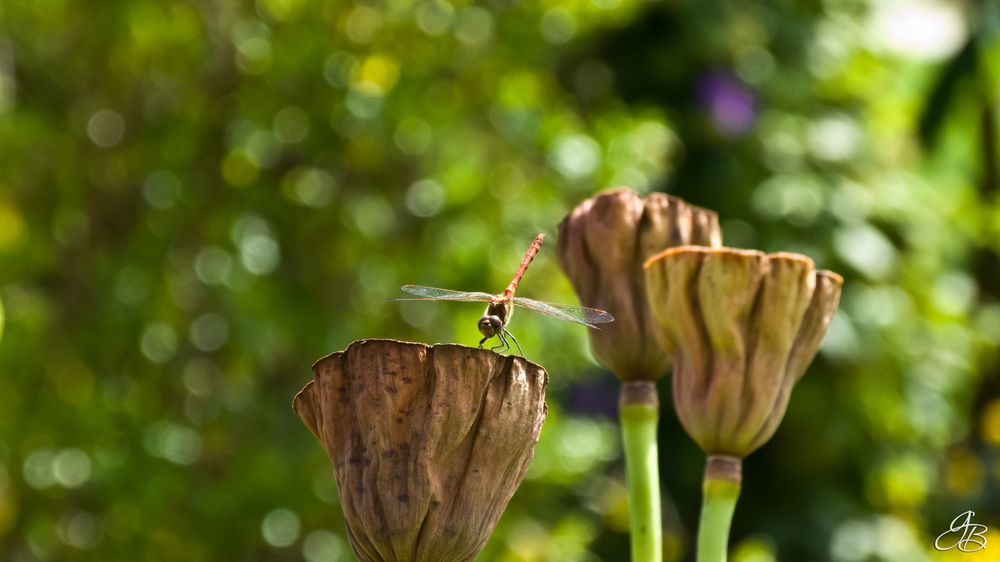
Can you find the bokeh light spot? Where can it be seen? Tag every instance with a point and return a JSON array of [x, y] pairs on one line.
[[420, 315], [583, 444], [262, 148], [955, 292], [209, 332], [425, 198], [754, 550], [435, 17], [576, 156], [866, 249], [558, 26], [38, 469], [80, 530], [71, 467], [175, 443], [904, 481], [106, 128], [797, 198], [324, 546], [377, 274], [364, 101], [253, 55], [378, 74], [755, 65], [371, 215], [312, 187], [280, 528], [161, 189], [339, 68], [783, 135], [963, 473], [260, 254], [12, 227], [291, 125], [835, 138], [412, 136], [238, 169], [987, 322], [213, 265], [475, 26], [853, 540], [158, 342], [281, 10], [990, 422], [200, 376], [528, 539], [919, 29], [363, 24]]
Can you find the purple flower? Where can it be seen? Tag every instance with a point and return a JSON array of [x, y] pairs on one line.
[[729, 101]]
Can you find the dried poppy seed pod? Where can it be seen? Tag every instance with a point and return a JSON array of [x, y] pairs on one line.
[[428, 443], [743, 326], [602, 246]]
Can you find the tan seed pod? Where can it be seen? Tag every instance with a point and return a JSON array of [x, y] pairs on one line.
[[744, 326], [603, 243], [428, 443]]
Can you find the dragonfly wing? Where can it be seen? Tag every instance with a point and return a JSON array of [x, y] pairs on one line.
[[435, 294], [567, 312]]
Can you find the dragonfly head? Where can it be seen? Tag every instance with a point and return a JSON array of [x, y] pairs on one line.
[[490, 325]]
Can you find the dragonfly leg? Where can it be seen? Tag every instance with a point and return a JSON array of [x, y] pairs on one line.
[[481, 342], [504, 345], [519, 352]]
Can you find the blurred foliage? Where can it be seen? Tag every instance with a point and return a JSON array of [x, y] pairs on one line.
[[199, 199]]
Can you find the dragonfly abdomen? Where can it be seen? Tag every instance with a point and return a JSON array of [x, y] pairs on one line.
[[525, 262]]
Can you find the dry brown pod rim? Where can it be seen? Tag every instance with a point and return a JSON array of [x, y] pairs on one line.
[[624, 189], [738, 252], [429, 346], [656, 193]]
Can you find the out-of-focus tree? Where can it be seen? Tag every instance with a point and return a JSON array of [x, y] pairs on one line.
[[199, 199]]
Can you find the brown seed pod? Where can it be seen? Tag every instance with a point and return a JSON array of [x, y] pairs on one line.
[[603, 243], [428, 443], [744, 326]]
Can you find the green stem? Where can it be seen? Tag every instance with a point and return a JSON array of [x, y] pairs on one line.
[[721, 489], [639, 413]]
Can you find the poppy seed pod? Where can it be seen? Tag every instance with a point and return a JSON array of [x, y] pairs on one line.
[[603, 243], [744, 326], [428, 443]]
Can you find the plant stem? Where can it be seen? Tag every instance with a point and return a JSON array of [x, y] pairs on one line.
[[721, 489], [639, 412]]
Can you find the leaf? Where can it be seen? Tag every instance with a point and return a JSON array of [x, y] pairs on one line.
[[962, 66]]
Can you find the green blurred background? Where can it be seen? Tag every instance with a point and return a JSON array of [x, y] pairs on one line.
[[198, 199]]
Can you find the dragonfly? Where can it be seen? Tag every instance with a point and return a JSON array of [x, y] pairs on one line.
[[500, 307]]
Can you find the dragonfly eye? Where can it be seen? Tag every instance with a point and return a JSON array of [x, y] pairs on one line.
[[489, 326]]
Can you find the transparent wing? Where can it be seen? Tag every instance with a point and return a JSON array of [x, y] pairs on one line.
[[567, 312], [435, 294]]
